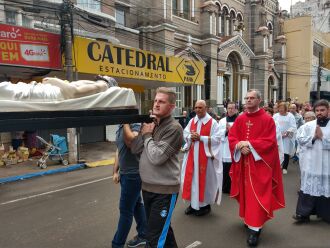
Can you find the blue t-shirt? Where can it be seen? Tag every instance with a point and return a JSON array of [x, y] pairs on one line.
[[128, 162]]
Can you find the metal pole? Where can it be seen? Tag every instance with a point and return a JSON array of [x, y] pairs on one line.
[[319, 73]]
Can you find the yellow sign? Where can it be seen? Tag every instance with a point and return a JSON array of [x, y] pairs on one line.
[[99, 57]]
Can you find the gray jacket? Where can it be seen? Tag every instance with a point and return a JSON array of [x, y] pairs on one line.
[[159, 162]]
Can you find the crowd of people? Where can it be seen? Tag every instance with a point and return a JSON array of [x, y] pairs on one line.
[[243, 154]]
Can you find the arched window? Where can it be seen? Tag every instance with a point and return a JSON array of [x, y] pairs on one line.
[[231, 22], [218, 21], [270, 38], [225, 21], [240, 24], [239, 17]]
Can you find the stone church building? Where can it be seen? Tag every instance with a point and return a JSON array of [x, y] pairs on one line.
[[241, 42]]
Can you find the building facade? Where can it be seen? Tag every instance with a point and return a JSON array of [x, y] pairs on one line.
[[319, 10], [241, 42], [307, 60]]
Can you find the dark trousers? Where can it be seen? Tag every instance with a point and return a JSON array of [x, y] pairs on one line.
[[286, 161], [130, 205], [226, 184], [313, 205], [159, 209]]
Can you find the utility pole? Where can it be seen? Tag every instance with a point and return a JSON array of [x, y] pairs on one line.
[[319, 74], [66, 27]]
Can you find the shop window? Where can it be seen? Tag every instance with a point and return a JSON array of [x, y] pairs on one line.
[[174, 7], [90, 4], [120, 17], [11, 17]]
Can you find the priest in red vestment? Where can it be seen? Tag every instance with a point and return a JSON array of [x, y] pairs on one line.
[[201, 173], [255, 173]]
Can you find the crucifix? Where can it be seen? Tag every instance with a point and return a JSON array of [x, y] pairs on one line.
[[249, 124]]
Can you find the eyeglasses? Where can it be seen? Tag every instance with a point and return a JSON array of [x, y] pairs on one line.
[[251, 98]]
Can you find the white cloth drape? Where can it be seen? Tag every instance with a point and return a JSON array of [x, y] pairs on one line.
[[30, 92]]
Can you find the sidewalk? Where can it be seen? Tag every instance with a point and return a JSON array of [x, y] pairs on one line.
[[91, 152]]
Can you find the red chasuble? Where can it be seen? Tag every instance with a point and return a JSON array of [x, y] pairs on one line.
[[202, 163], [256, 185]]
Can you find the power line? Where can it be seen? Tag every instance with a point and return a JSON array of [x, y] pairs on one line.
[[157, 42], [173, 48], [160, 43]]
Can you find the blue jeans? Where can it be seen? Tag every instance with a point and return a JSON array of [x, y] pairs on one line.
[[130, 205]]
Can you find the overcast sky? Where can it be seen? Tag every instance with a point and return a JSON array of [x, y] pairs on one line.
[[285, 4]]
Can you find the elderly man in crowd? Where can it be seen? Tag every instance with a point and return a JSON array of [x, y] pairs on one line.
[[201, 177]]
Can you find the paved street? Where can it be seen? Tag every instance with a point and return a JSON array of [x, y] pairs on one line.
[[79, 209]]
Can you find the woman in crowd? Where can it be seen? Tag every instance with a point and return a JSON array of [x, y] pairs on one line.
[[288, 130]]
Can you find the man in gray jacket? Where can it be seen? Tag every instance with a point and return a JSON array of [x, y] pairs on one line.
[[160, 143]]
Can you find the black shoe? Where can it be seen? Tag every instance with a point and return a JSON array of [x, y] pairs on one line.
[[300, 218], [203, 210], [189, 210], [136, 242], [253, 238]]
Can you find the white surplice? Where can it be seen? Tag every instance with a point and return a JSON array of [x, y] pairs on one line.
[[214, 171], [314, 160], [287, 123], [224, 146], [279, 142]]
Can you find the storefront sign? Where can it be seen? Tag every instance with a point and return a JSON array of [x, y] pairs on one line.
[[28, 47], [99, 57]]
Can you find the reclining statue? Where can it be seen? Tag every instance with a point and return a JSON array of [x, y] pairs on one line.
[[54, 89]]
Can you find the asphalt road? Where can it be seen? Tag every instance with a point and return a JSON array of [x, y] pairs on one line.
[[80, 210]]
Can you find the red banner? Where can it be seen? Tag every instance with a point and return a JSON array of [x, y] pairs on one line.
[[28, 47]]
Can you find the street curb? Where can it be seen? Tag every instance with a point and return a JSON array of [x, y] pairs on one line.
[[42, 173]]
